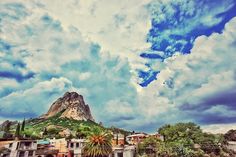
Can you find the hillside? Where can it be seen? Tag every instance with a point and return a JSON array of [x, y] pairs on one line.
[[68, 116], [55, 126]]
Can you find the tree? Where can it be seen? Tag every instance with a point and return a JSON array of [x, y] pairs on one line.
[[180, 131], [45, 131], [17, 133], [23, 125], [52, 131], [6, 128], [83, 131], [210, 143], [148, 145], [230, 135], [98, 143], [180, 139]]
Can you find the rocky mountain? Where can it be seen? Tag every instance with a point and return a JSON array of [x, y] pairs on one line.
[[65, 117], [72, 106]]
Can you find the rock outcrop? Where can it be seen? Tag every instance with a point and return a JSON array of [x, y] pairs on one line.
[[72, 106]]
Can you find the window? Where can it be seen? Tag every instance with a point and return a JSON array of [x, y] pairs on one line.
[[31, 153], [17, 147], [71, 145], [22, 154], [27, 144], [77, 145], [120, 154], [10, 145]]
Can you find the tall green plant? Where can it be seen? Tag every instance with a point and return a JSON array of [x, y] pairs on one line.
[[17, 133], [7, 127], [182, 137], [98, 143], [23, 125]]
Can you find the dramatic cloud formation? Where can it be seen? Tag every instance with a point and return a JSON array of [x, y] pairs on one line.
[[139, 64]]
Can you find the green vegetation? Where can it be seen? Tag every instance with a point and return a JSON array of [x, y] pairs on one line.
[[23, 125], [184, 140], [52, 126], [99, 143], [55, 126], [118, 130], [180, 140], [7, 128], [17, 133]]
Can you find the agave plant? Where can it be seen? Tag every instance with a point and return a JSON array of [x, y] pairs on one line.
[[98, 143]]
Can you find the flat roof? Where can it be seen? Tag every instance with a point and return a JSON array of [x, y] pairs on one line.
[[134, 135]]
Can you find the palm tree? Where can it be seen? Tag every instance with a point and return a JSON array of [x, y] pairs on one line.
[[98, 143]]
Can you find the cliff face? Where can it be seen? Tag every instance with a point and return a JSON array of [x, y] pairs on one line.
[[73, 106]]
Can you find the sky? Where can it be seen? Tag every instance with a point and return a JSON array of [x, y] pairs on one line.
[[139, 64]]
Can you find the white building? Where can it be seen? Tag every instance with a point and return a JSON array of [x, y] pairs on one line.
[[232, 145], [125, 151], [75, 146], [136, 138], [23, 148]]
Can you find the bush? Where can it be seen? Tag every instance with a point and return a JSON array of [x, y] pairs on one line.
[[53, 131]]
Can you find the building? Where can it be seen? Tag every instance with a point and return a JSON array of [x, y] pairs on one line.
[[45, 149], [232, 145], [5, 142], [123, 151], [118, 139], [4, 152], [22, 148], [66, 148], [75, 147], [58, 148], [157, 135], [61, 146], [136, 138]]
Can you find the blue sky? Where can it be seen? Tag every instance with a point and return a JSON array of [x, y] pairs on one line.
[[139, 64]]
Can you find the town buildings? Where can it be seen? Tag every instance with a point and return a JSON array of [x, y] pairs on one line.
[[21, 148], [75, 147], [118, 139], [124, 151], [56, 148], [122, 146], [135, 138], [231, 145]]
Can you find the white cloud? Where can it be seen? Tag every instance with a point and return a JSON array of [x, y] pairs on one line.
[[4, 82], [219, 128], [59, 51], [35, 100], [84, 76], [53, 52], [221, 110], [210, 68], [120, 27], [117, 110]]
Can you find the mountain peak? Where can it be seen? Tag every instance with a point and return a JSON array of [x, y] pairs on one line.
[[72, 106]]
